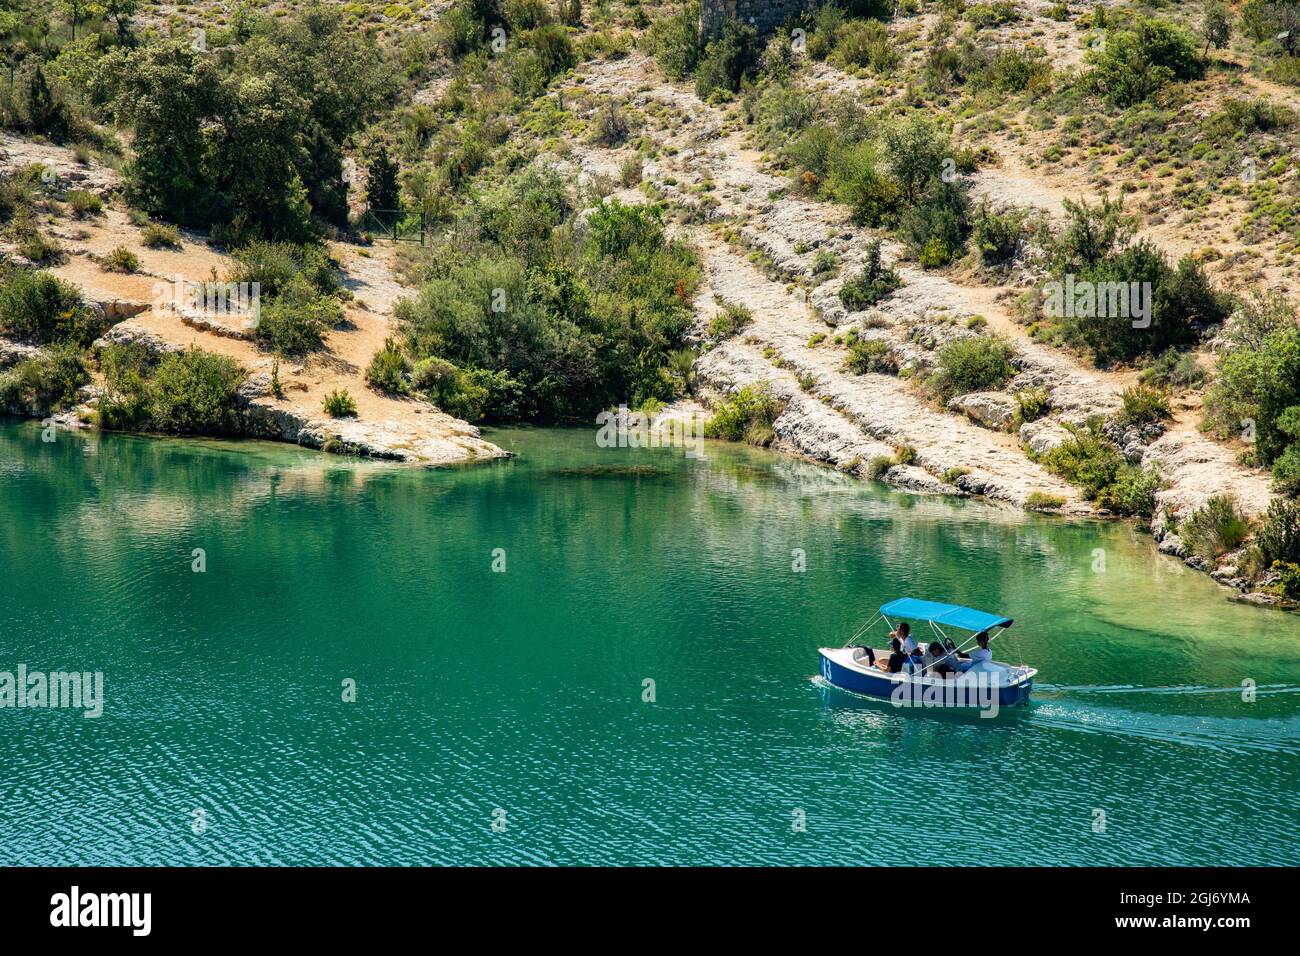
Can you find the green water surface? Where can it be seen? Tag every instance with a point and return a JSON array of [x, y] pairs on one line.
[[518, 696]]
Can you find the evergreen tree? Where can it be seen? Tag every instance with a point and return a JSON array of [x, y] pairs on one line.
[[382, 191]]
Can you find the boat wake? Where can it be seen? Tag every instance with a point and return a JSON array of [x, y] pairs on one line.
[[1223, 734], [1179, 689]]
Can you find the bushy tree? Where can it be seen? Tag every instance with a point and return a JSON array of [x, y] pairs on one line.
[[675, 41], [728, 59], [1139, 59], [255, 139], [1095, 250], [194, 393], [1256, 387], [1216, 27], [37, 307]]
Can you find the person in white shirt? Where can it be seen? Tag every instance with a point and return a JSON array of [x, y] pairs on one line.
[[904, 634], [981, 653]]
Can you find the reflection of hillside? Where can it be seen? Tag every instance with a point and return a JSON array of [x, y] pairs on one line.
[[155, 487]]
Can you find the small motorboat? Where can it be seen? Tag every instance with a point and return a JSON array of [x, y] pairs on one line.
[[955, 680]]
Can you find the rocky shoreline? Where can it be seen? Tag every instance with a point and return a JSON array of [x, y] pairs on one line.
[[765, 249], [434, 438]]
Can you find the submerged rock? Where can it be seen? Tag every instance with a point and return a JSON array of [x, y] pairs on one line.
[[1172, 544]]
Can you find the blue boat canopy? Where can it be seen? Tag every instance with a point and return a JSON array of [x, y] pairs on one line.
[[954, 615]]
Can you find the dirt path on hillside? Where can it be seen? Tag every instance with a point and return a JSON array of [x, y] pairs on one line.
[[386, 426]]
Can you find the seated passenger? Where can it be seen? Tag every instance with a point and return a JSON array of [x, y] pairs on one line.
[[904, 633], [896, 657], [981, 653], [936, 660]]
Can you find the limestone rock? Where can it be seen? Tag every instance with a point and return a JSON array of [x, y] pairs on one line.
[[11, 352], [1043, 435], [255, 386], [128, 334], [991, 409]]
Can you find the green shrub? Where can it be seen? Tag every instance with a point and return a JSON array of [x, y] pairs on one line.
[[1133, 492], [730, 319], [629, 171], [675, 41], [160, 236], [871, 355], [1286, 467], [1288, 579], [856, 175], [866, 43], [454, 391], [1215, 528], [915, 149], [728, 59], [39, 248], [37, 307], [746, 416], [935, 229], [126, 369], [122, 259], [1278, 538], [83, 203], [1091, 254], [1137, 61], [339, 404], [1174, 369], [44, 383], [194, 392], [558, 319], [877, 467], [387, 370], [1032, 404], [825, 262], [297, 320], [274, 265], [1143, 404], [1042, 501], [871, 284], [996, 236], [827, 21], [1248, 116], [977, 363], [993, 14], [610, 126], [1255, 386], [1012, 70], [1086, 459]]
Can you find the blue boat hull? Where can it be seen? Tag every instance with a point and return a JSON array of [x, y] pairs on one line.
[[883, 687]]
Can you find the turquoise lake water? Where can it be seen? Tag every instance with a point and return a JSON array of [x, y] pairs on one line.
[[517, 697]]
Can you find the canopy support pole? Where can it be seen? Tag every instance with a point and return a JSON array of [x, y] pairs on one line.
[[862, 630]]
